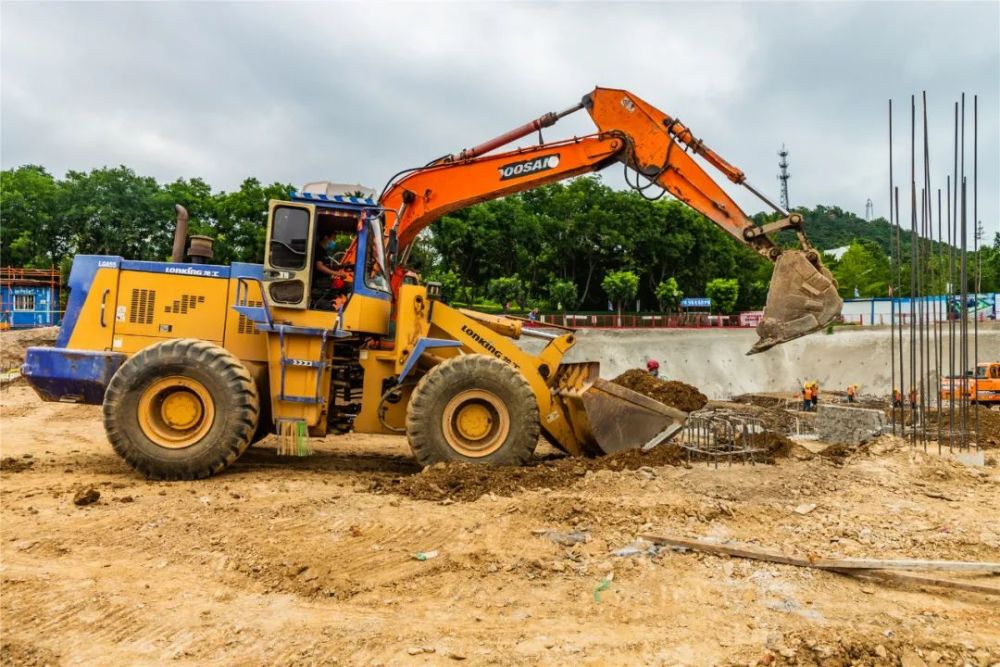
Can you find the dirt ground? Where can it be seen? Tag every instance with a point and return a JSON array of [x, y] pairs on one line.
[[315, 560]]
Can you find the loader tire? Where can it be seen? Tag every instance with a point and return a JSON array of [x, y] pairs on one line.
[[475, 409], [181, 409]]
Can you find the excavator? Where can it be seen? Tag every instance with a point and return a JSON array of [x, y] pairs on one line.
[[193, 362]]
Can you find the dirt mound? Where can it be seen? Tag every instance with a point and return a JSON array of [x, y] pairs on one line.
[[11, 464], [775, 445], [470, 481], [14, 343], [853, 648], [669, 392]]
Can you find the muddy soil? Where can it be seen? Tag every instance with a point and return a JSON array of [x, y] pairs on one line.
[[295, 561], [669, 392], [466, 482]]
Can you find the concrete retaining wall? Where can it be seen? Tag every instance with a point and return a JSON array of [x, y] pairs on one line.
[[715, 360]]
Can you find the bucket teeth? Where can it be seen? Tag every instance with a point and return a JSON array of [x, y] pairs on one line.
[[802, 299]]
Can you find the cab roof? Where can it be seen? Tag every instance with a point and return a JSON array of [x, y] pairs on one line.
[[335, 202]]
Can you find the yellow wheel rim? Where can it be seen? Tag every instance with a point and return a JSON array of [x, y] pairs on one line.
[[475, 423], [176, 412]]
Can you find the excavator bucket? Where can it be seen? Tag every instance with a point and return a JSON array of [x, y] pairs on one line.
[[606, 417], [802, 299]]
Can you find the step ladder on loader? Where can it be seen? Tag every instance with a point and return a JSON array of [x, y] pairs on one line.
[[296, 415]]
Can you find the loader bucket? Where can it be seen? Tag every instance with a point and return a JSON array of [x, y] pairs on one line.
[[608, 418], [802, 299]]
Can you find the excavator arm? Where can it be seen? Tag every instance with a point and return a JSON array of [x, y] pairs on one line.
[[658, 149]]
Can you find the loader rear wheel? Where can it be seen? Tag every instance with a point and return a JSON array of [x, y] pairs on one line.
[[181, 409], [473, 408]]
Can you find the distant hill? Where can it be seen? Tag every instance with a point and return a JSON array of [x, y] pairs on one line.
[[829, 227]]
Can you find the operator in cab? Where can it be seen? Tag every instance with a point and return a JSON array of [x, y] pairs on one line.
[[331, 281]]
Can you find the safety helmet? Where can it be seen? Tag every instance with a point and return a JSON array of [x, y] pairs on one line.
[[652, 364]]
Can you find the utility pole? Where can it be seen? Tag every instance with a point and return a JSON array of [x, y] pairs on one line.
[[783, 176]]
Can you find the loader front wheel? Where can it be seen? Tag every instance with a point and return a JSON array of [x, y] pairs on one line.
[[473, 408], [181, 409]]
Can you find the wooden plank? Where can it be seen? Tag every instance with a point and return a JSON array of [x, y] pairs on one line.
[[922, 580], [861, 564]]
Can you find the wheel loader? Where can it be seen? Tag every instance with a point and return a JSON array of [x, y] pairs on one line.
[[193, 362]]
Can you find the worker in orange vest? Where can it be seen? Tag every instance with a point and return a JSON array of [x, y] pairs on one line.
[[851, 392], [897, 398], [806, 397], [913, 399]]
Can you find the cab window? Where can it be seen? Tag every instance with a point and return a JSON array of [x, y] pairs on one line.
[[375, 272], [289, 238]]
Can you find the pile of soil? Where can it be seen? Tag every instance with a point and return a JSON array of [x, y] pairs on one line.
[[469, 481], [14, 343], [775, 445], [669, 392]]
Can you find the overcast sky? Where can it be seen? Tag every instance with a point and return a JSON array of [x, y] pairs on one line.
[[356, 92]]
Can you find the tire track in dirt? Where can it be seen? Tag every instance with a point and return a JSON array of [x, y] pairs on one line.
[[341, 561]]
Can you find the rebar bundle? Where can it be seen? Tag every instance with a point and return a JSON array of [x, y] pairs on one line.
[[935, 283]]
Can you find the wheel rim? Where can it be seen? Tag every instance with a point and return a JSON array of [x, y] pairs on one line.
[[476, 423], [176, 412]]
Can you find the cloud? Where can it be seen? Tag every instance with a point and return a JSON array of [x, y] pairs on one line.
[[355, 92]]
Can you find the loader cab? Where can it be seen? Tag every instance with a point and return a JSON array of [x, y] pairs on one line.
[[324, 256]]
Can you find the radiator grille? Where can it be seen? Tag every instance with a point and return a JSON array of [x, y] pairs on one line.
[[184, 304], [143, 302], [246, 326]]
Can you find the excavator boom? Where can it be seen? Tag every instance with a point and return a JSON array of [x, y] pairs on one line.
[[658, 148]]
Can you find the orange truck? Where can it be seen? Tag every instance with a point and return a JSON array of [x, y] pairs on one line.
[[983, 388]]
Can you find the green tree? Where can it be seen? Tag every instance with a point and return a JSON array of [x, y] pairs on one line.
[[451, 284], [562, 294], [668, 294], [240, 225], [864, 268], [723, 293], [32, 233], [114, 211], [621, 287], [505, 290]]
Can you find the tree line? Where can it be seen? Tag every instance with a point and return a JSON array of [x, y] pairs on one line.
[[574, 245]]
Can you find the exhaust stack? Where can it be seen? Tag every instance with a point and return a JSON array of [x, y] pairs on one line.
[[180, 234]]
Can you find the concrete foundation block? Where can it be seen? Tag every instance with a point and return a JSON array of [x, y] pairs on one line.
[[848, 426]]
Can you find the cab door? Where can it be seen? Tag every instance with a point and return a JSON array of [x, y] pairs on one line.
[[288, 257]]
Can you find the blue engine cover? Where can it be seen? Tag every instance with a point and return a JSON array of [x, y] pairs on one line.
[[75, 376]]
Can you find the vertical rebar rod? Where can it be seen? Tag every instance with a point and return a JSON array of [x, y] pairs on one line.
[[964, 276], [921, 317], [954, 287], [913, 271], [978, 266], [939, 352], [964, 324], [892, 293], [926, 271], [899, 288]]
